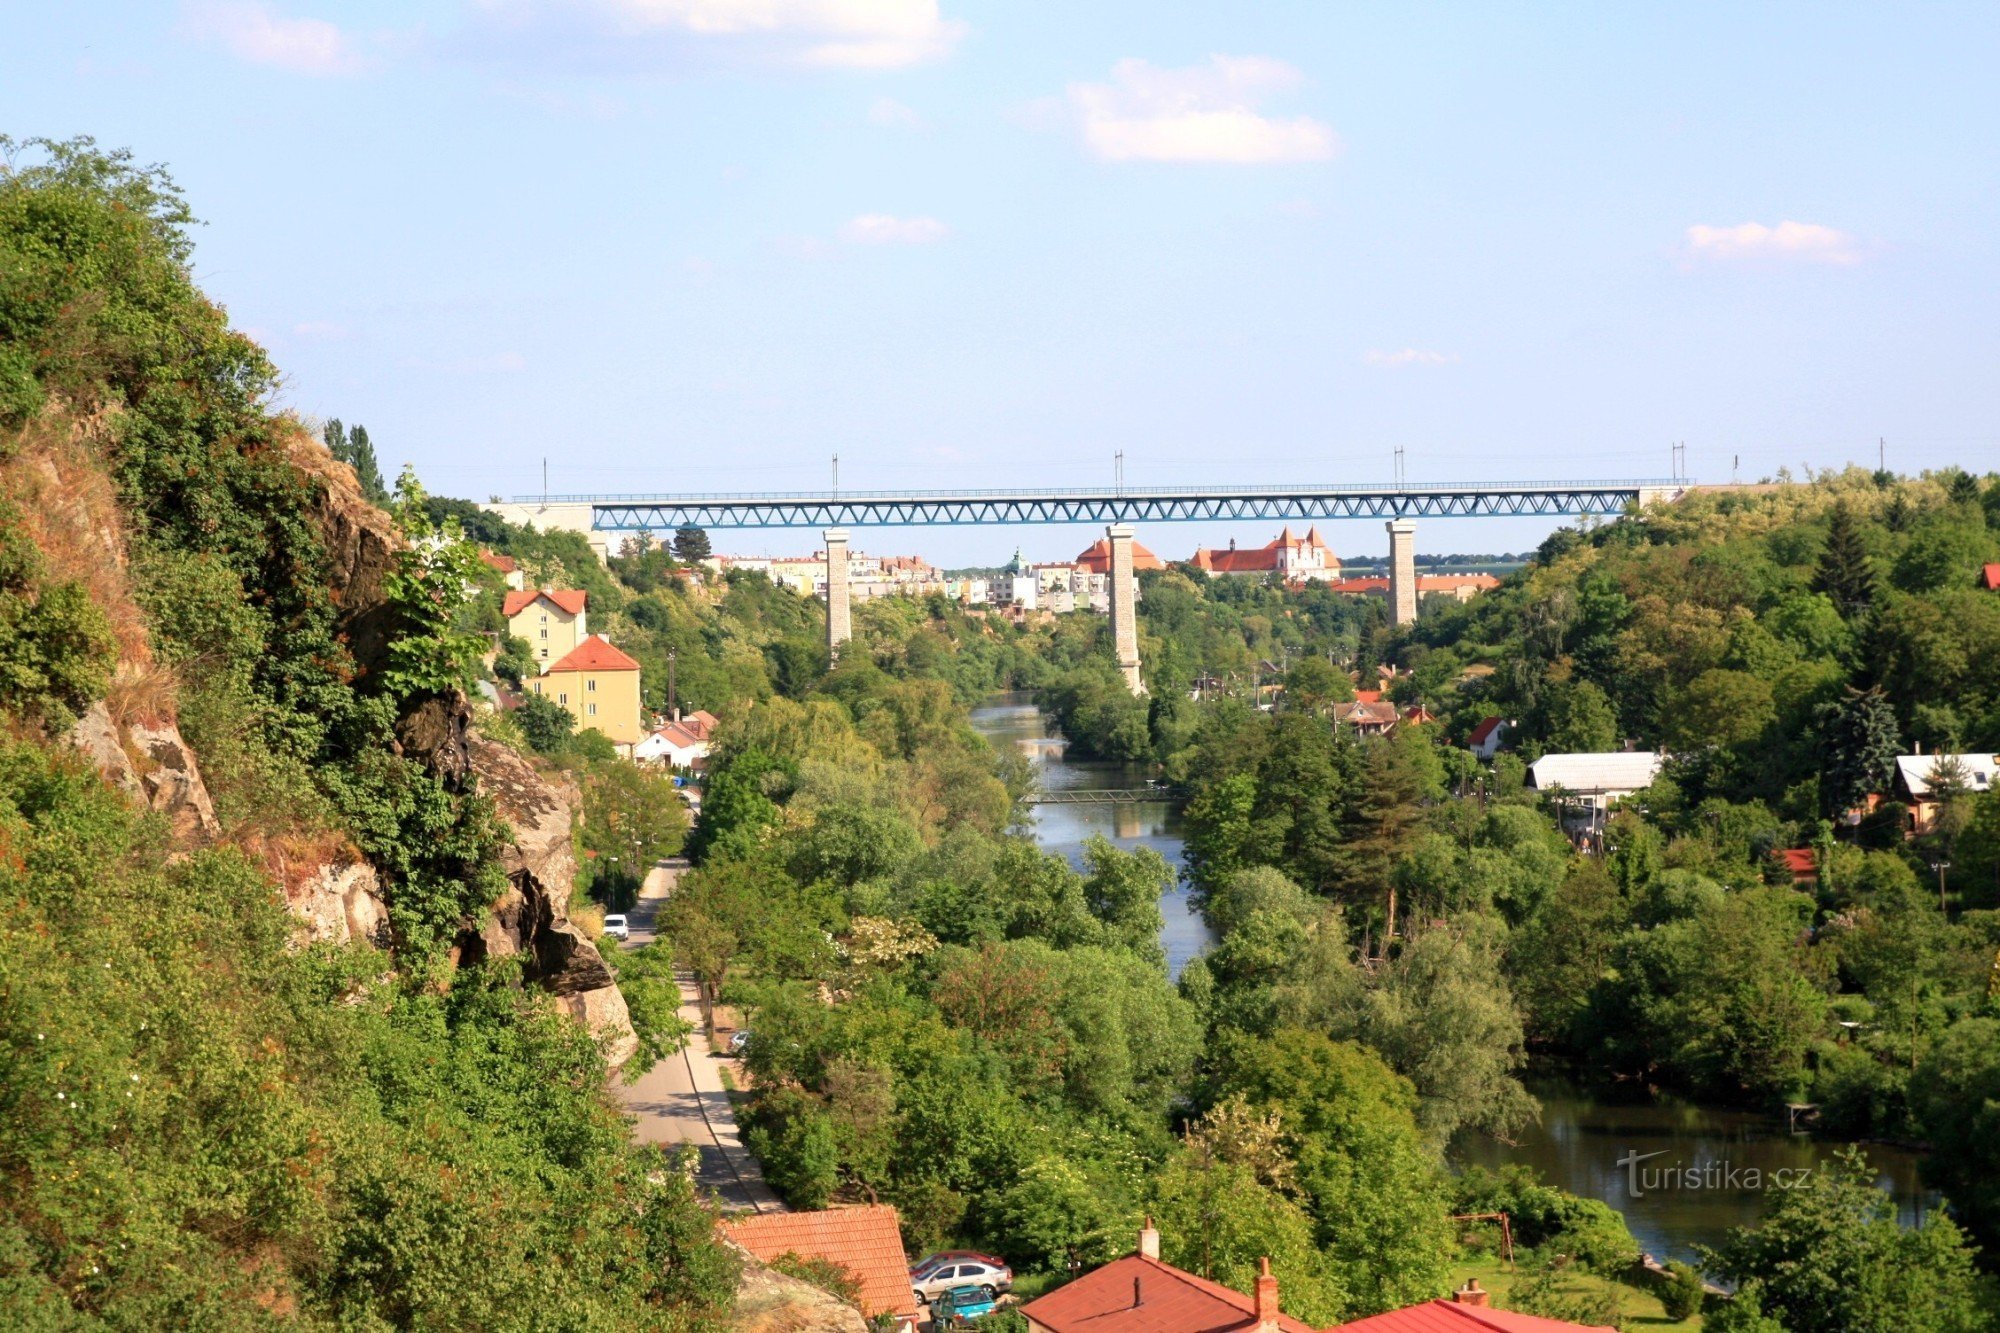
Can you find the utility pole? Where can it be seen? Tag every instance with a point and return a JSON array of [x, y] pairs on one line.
[[836, 476], [1881, 454], [1399, 466], [673, 701], [1118, 473], [545, 483]]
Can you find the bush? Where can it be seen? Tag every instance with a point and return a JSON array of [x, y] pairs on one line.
[[1682, 1292]]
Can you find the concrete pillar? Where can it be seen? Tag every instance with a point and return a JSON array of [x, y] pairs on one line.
[[1402, 571], [839, 626], [1124, 606]]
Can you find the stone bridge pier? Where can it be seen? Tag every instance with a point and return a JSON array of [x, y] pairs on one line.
[[839, 622], [1124, 606], [1402, 571]]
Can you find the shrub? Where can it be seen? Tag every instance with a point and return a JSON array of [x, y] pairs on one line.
[[1682, 1292]]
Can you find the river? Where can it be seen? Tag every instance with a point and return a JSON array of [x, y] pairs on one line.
[[1697, 1186], [1013, 720]]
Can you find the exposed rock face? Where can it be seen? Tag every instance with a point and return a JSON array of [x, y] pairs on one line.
[[532, 917], [768, 1301], [339, 903], [153, 765], [362, 547], [437, 733]]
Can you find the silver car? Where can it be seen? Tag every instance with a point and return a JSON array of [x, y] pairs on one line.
[[941, 1272]]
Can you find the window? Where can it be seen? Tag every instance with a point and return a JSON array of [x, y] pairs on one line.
[[593, 710], [545, 631], [563, 699], [590, 686], [545, 654]]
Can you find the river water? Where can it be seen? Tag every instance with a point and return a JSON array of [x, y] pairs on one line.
[[1699, 1184], [1012, 720]]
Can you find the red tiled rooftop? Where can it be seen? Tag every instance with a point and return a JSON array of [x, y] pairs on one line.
[[1991, 575], [1449, 1316], [1800, 861], [569, 599], [594, 654], [506, 564], [1486, 727], [1097, 559], [1167, 1301], [865, 1241]]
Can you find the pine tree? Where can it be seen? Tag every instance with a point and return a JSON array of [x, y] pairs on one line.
[[691, 545], [1844, 573], [1858, 744], [335, 436], [361, 457]]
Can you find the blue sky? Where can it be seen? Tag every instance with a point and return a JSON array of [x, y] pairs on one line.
[[706, 244]]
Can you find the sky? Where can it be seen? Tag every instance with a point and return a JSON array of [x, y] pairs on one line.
[[706, 245]]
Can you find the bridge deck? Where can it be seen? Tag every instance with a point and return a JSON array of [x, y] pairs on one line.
[[1172, 504], [1098, 796]]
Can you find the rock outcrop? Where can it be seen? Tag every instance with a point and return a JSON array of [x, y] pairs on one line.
[[362, 547], [532, 918], [340, 902], [768, 1301], [154, 766]]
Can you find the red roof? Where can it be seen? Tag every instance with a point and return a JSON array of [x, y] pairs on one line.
[[865, 1241], [569, 599], [1252, 560], [1800, 861], [504, 563], [593, 654], [1992, 573], [1140, 1295], [1098, 558], [1368, 696], [1487, 726], [1449, 1316]]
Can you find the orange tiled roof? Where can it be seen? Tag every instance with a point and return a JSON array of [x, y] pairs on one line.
[[1167, 1301], [1992, 577], [506, 564], [1449, 1316], [594, 654], [1098, 558], [569, 599], [1486, 727], [1800, 861], [865, 1241]]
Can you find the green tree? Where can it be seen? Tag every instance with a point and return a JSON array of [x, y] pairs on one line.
[[1845, 573], [1859, 743], [691, 545], [1830, 1258], [545, 724], [57, 650], [631, 819], [1956, 1097]]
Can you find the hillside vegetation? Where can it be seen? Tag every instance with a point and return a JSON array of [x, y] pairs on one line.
[[210, 1121]]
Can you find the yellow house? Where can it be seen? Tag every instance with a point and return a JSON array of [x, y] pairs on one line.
[[552, 623], [599, 686]]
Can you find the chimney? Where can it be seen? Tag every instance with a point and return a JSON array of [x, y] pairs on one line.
[[1471, 1293], [1149, 1241], [1267, 1297]]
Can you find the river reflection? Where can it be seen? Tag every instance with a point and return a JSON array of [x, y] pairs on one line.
[[1699, 1184], [1013, 720]]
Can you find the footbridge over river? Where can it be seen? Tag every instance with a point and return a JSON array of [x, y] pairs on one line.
[[1119, 508]]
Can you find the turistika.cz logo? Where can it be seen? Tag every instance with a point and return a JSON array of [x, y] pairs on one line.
[[1712, 1176]]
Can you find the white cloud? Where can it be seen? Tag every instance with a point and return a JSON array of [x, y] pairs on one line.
[[1801, 242], [1205, 113], [255, 33], [1408, 356], [832, 34], [893, 115], [882, 229]]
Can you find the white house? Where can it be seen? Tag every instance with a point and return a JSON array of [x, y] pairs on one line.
[[1487, 738]]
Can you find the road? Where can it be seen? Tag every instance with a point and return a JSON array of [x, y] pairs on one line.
[[681, 1099]]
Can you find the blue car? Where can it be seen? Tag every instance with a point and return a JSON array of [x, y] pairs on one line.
[[959, 1304]]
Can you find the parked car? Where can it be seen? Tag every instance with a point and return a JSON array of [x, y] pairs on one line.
[[955, 1306], [615, 927], [739, 1041], [957, 1268]]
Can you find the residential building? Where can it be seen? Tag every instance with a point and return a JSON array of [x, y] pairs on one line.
[[1294, 559], [1140, 1294], [1467, 1310], [551, 621], [1800, 863], [1919, 775], [1598, 780], [1989, 578], [1487, 738], [681, 743], [866, 1241], [599, 686], [508, 568], [1368, 717]]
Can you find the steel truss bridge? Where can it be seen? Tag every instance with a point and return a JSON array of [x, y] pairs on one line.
[[1179, 504], [1099, 796]]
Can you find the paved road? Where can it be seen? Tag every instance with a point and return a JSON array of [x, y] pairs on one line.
[[681, 1099]]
